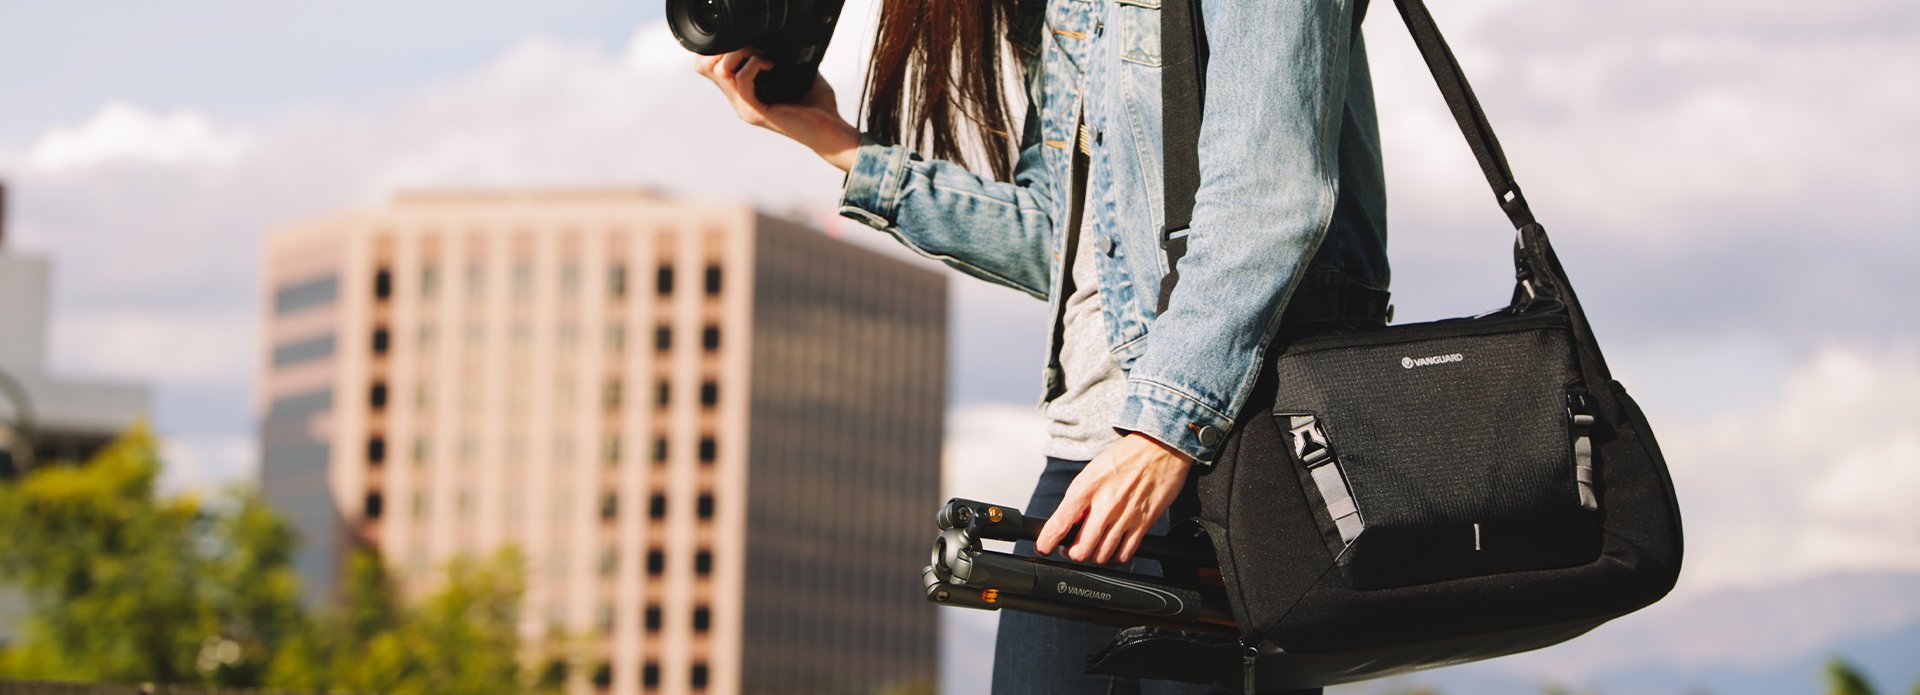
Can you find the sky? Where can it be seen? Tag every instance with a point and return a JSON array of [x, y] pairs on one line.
[[1731, 185]]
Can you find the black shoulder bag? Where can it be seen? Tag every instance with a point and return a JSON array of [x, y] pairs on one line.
[[1404, 497]]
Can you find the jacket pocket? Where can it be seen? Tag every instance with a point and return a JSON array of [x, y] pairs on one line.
[[1139, 27]]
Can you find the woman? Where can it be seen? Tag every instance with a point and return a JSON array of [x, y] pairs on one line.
[[1288, 228]]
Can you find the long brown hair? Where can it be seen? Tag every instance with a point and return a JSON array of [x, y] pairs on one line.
[[936, 70]]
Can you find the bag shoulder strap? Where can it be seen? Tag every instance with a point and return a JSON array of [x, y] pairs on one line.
[[1182, 94]]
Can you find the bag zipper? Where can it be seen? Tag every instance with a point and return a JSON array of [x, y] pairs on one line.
[[1416, 332]]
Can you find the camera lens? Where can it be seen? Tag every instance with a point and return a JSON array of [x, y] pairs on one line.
[[708, 15], [712, 27]]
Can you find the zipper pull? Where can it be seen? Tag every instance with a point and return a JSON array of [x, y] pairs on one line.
[[1249, 664]]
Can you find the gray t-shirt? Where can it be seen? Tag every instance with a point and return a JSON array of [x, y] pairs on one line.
[[1081, 419]]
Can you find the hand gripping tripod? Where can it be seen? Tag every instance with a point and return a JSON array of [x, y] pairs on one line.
[[965, 574]]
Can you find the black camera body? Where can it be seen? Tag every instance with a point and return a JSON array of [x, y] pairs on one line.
[[792, 34]]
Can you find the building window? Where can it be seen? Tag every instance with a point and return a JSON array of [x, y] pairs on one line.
[[663, 338], [419, 506], [616, 338], [657, 506], [709, 394], [713, 280], [429, 281], [610, 394], [476, 281], [699, 676], [653, 618], [710, 338], [381, 339], [375, 504], [522, 281], [617, 281], [383, 284], [609, 506], [554, 676], [613, 449], [708, 450], [660, 450], [703, 563], [420, 450], [376, 450], [377, 396], [704, 507], [702, 619], [650, 675], [656, 562], [661, 393], [603, 674], [663, 281], [570, 280]]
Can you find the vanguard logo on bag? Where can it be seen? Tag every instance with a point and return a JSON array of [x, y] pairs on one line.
[[1411, 362]]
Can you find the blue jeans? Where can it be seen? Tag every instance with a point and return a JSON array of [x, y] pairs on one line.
[[1046, 655]]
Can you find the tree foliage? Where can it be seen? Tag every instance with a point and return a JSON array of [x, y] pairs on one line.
[[127, 586]]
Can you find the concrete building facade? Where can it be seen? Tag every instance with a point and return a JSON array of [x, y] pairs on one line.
[[713, 434], [45, 417]]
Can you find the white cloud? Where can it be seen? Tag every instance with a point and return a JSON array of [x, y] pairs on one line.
[[203, 465], [1662, 126], [1821, 479], [126, 132], [178, 346]]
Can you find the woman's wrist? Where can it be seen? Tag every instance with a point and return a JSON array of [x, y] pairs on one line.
[[840, 146]]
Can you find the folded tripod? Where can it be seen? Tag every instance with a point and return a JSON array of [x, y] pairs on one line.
[[965, 574]]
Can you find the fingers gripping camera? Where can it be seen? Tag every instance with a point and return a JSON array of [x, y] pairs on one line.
[[792, 34]]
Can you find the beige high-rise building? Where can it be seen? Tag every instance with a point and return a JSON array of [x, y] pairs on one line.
[[714, 434]]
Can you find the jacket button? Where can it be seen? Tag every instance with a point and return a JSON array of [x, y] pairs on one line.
[[1106, 245], [1210, 435]]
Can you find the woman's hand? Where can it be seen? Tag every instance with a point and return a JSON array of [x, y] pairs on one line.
[[813, 121], [1121, 493]]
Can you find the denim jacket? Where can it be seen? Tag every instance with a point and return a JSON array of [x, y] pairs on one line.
[[1289, 218]]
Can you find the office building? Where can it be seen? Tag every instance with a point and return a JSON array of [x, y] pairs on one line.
[[714, 434], [46, 417]]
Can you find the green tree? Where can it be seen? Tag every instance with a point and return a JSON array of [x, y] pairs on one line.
[[128, 587], [1843, 678]]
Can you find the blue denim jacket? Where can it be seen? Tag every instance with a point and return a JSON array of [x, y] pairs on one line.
[[1291, 203]]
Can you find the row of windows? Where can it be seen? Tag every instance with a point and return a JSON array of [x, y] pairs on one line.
[[523, 283], [707, 449], [657, 506], [702, 618], [657, 562], [603, 676], [616, 337], [650, 676], [609, 506]]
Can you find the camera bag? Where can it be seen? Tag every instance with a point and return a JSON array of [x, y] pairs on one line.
[[1394, 498]]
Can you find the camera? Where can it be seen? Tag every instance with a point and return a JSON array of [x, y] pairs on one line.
[[792, 34]]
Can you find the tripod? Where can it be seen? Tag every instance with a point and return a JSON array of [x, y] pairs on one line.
[[967, 575]]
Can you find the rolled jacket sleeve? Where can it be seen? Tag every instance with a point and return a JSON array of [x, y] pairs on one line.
[[994, 230], [1275, 92]]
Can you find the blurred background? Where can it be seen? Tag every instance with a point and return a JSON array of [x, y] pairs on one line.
[[452, 347]]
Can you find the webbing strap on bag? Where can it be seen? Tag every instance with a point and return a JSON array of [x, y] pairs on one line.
[[1183, 95]]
